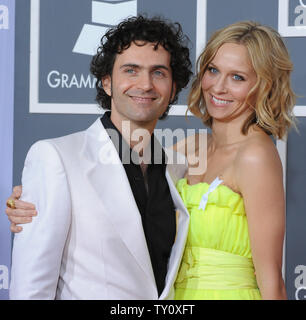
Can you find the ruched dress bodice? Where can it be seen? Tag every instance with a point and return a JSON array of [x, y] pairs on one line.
[[217, 262]]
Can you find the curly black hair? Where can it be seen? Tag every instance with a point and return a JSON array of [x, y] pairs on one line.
[[154, 30]]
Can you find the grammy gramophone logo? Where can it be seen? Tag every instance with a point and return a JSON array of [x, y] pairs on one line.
[[104, 15]]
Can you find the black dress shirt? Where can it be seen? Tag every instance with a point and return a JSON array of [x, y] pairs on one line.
[[153, 199]]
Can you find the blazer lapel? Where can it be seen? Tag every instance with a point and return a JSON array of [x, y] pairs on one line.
[[173, 173], [108, 177]]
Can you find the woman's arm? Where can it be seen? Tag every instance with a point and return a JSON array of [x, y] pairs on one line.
[[258, 171]]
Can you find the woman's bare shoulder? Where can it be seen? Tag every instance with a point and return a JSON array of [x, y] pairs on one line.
[[258, 152]]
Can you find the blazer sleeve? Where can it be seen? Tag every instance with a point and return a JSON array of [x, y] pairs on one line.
[[38, 248]]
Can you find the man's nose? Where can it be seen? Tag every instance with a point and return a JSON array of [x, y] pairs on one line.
[[145, 81]]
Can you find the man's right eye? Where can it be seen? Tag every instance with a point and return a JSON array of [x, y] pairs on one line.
[[131, 71]]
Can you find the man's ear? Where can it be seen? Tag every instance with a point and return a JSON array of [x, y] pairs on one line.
[[107, 85]]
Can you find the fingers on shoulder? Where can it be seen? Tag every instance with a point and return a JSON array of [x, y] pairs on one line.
[[17, 190], [20, 213], [19, 219], [15, 229]]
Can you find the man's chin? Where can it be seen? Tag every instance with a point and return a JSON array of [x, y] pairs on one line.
[[145, 116]]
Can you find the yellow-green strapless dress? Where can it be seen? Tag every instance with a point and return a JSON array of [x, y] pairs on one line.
[[217, 262]]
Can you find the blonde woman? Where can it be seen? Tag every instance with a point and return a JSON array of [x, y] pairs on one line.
[[237, 207]]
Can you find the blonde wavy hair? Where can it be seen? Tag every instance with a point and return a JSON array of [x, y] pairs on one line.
[[275, 99]]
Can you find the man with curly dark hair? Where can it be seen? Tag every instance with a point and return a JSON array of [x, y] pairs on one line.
[[139, 30], [108, 228]]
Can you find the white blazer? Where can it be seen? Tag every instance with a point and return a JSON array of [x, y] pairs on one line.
[[87, 241]]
